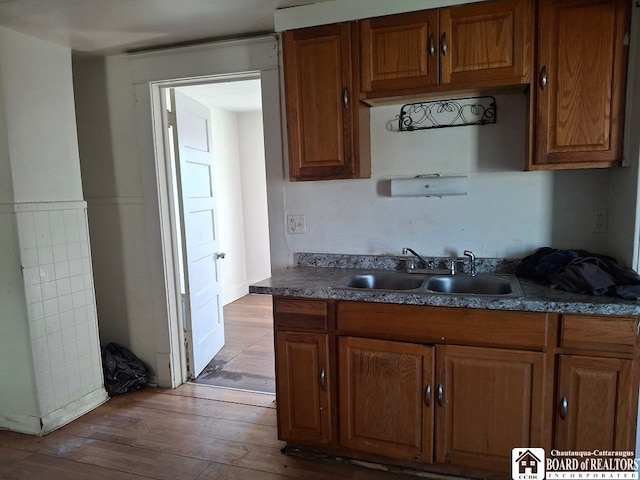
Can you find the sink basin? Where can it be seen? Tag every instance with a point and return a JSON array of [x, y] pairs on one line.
[[482, 284], [478, 285], [385, 281]]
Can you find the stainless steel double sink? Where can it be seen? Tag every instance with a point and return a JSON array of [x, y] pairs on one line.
[[460, 284]]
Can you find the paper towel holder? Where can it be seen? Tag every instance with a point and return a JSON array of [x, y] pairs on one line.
[[432, 185]]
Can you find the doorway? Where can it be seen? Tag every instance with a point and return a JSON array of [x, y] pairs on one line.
[[239, 223], [247, 360]]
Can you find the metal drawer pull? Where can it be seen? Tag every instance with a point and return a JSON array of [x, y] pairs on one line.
[[564, 406], [432, 47], [427, 396], [345, 98], [440, 394], [443, 44], [323, 379], [543, 78]]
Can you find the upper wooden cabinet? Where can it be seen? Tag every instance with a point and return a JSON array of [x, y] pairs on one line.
[[485, 44], [576, 82], [326, 124], [399, 51], [580, 83]]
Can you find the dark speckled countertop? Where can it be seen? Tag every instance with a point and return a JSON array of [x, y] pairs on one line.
[[321, 276]]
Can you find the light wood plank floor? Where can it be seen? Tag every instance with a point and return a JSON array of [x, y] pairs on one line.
[[247, 359], [192, 432]]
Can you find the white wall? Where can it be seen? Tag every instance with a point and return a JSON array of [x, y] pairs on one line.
[[36, 78], [323, 13], [624, 214], [506, 212], [113, 185], [136, 304], [50, 337], [19, 408], [254, 194], [242, 200], [228, 184], [6, 178]]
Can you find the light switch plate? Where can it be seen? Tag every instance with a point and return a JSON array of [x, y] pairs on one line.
[[296, 224]]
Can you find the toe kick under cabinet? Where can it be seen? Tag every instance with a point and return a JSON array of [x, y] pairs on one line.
[[451, 390]]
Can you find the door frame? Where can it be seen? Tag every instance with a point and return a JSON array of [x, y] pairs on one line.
[[164, 160], [152, 72]]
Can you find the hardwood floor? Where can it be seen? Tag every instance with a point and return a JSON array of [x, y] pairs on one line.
[[247, 359], [193, 432]]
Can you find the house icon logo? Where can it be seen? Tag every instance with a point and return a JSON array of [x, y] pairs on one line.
[[527, 463]]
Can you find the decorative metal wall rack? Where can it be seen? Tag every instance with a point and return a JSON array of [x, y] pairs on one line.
[[447, 113]]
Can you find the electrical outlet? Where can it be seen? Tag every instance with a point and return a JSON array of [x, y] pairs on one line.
[[599, 220], [296, 224]]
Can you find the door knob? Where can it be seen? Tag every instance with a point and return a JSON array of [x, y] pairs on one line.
[[220, 255]]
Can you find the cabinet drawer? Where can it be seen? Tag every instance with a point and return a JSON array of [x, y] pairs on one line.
[[608, 334], [419, 324], [300, 314]]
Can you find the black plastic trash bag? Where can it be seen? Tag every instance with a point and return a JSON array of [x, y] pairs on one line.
[[123, 371]]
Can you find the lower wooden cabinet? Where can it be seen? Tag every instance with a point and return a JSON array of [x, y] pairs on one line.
[[484, 401], [595, 397], [303, 387], [489, 402], [452, 390], [386, 405]]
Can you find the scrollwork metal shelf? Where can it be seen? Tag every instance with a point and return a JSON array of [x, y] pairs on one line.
[[447, 113]]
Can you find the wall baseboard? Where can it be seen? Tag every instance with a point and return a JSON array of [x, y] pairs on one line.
[[234, 292]]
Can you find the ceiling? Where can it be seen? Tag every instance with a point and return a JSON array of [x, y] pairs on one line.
[[108, 27], [238, 96]]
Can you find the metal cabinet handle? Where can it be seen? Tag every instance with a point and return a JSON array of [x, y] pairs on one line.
[[427, 396], [323, 379], [564, 406], [440, 394], [432, 47], [345, 98], [443, 44], [543, 78], [220, 255]]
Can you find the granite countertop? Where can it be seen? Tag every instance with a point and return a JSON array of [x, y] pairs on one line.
[[323, 279]]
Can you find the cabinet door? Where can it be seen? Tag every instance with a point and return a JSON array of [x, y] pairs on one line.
[[486, 41], [303, 386], [399, 51], [580, 83], [489, 402], [594, 404], [323, 111], [385, 398]]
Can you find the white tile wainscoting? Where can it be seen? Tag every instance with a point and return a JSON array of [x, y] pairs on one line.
[[61, 309]]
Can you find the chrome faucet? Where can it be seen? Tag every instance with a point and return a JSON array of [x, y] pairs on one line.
[[472, 262], [406, 251]]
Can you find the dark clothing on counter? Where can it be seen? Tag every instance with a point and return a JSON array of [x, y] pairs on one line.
[[579, 271], [545, 262], [598, 277]]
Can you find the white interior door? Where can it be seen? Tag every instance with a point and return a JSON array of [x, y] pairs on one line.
[[202, 297]]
